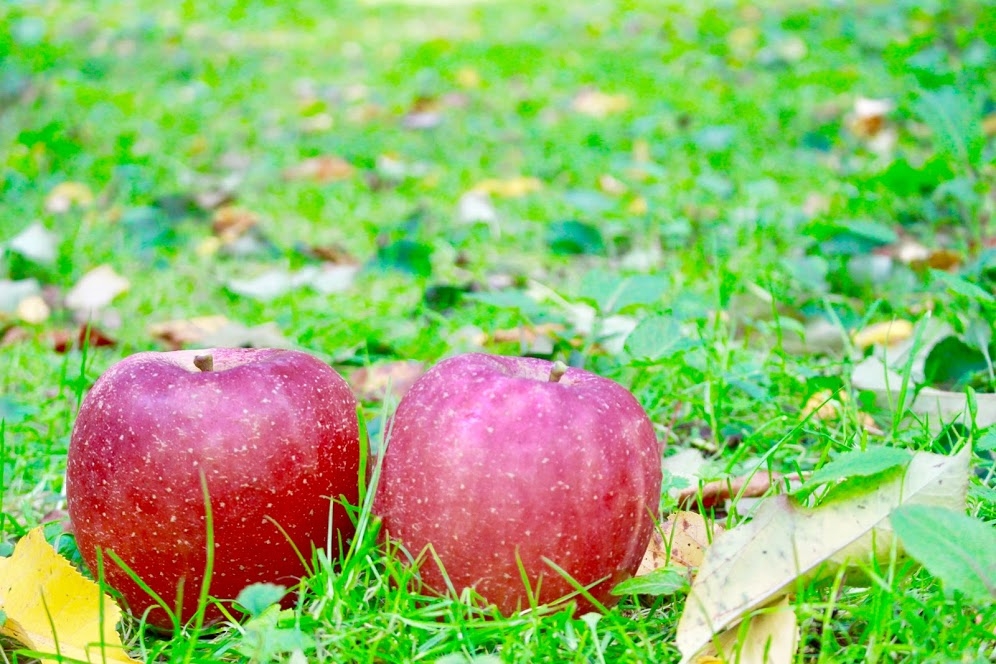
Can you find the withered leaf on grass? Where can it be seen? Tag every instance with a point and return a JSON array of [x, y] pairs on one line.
[[599, 104], [36, 243], [717, 492], [96, 289], [65, 195], [323, 169], [769, 636], [760, 561], [178, 333], [51, 608], [87, 335], [681, 540], [276, 282]]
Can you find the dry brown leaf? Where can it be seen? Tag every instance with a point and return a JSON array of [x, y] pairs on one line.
[[230, 222], [333, 253], [65, 195], [762, 560], [87, 335], [176, 334], [886, 333], [15, 335], [52, 608], [599, 104], [96, 289], [716, 493], [377, 382], [323, 169], [942, 259], [682, 539], [868, 117]]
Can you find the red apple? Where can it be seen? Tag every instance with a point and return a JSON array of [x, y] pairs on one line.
[[494, 460], [274, 434]]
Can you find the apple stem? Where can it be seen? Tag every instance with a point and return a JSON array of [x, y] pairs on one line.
[[204, 362], [558, 371]]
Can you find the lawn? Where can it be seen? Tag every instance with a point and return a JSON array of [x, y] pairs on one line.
[[710, 203]]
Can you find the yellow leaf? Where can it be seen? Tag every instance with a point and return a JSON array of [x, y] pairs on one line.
[[989, 125], [599, 104], [65, 195], [509, 188], [52, 608], [467, 77], [886, 333]]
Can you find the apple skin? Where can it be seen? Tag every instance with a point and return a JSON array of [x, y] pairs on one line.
[[487, 459], [274, 433]]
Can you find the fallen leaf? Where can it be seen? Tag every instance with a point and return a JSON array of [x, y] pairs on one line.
[[276, 282], [15, 335], [12, 293], [50, 607], [65, 195], [33, 310], [762, 560], [886, 333], [882, 374], [476, 207], [179, 333], [989, 125], [229, 223], [944, 259], [532, 339], [236, 335], [515, 187], [868, 117], [468, 77], [716, 493], [829, 406], [868, 121], [88, 335], [598, 104], [323, 169], [332, 253], [611, 185], [96, 289], [770, 636], [36, 243], [682, 539], [425, 113], [375, 383], [688, 464]]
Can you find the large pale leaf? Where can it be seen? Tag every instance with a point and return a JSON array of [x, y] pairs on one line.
[[758, 562], [769, 636], [52, 608]]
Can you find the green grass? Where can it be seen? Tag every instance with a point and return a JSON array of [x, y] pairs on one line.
[[743, 115]]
